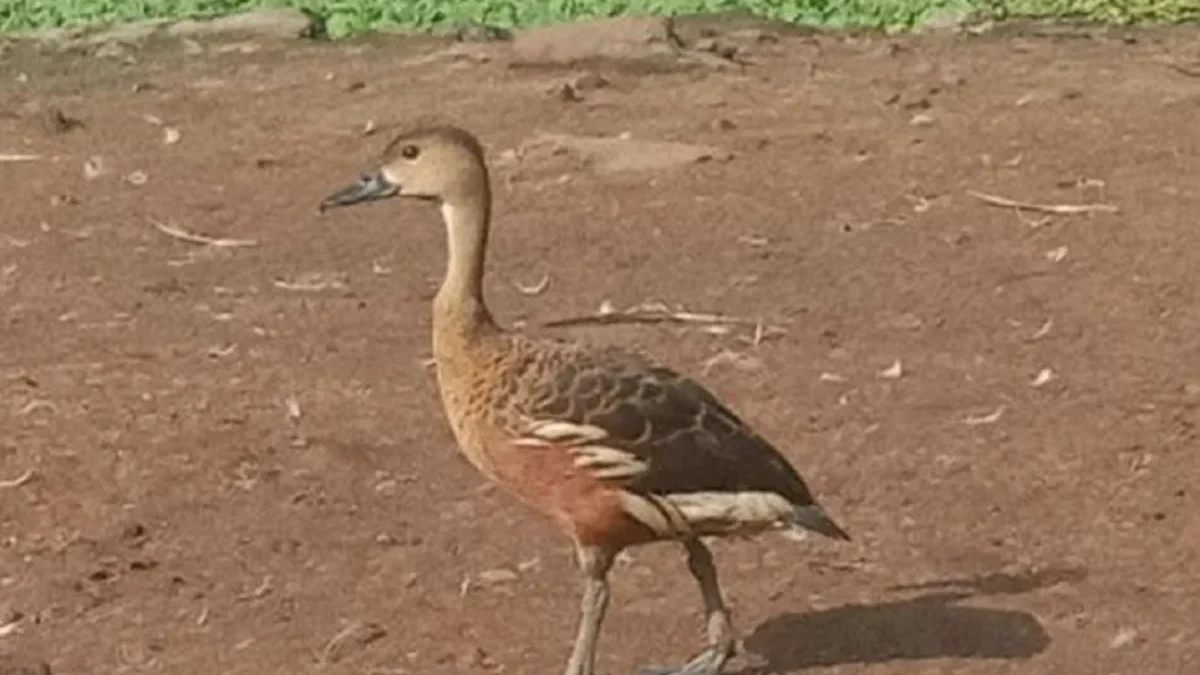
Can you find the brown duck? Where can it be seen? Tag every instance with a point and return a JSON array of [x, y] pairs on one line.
[[617, 449]]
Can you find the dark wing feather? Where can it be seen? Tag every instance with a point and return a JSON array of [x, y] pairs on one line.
[[690, 440]]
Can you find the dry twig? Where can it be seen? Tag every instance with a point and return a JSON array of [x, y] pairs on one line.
[[536, 289], [16, 157], [19, 480], [192, 238], [330, 653], [1056, 209], [653, 312], [990, 418], [259, 592]]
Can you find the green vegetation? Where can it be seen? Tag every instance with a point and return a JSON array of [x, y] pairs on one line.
[[348, 16]]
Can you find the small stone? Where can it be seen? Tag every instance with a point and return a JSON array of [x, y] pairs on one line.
[[565, 92], [1124, 638], [57, 122], [94, 167], [1044, 377], [921, 120]]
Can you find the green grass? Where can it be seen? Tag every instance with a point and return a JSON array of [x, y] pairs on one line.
[[349, 16]]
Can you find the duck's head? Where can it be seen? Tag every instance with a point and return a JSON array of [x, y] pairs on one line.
[[443, 164]]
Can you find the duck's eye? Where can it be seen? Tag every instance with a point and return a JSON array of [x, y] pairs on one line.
[[410, 152]]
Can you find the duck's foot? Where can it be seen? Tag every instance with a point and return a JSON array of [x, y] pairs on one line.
[[708, 662]]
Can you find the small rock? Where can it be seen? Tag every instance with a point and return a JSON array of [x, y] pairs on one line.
[[564, 91], [57, 122], [93, 168], [1124, 638], [626, 37], [1044, 377], [921, 120], [134, 532], [573, 89], [272, 23]]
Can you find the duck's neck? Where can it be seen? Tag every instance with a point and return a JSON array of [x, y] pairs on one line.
[[459, 309]]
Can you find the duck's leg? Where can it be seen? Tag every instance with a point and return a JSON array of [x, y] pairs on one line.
[[720, 630], [594, 563]]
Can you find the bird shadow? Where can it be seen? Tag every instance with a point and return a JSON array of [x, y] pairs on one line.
[[928, 626]]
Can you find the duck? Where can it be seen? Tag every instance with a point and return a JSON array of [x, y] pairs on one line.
[[612, 445]]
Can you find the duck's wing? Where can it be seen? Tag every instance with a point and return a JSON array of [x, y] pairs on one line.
[[663, 437]]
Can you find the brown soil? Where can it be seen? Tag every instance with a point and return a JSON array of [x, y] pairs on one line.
[[236, 460]]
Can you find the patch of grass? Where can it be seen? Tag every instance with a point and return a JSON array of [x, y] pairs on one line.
[[350, 16]]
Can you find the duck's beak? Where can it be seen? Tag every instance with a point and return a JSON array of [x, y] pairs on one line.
[[369, 187]]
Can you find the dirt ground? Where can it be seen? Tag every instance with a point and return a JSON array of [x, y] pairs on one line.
[[232, 459]]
